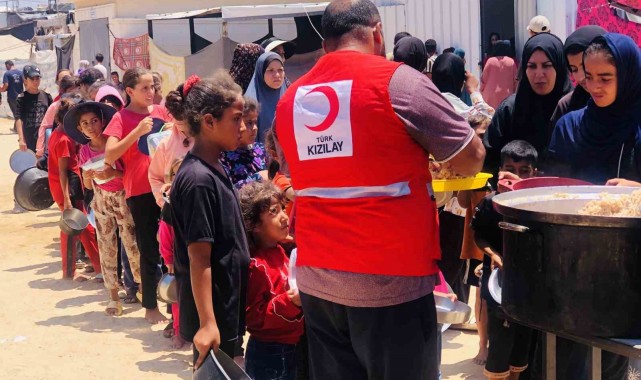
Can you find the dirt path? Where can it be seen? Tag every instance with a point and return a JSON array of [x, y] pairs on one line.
[[56, 329]]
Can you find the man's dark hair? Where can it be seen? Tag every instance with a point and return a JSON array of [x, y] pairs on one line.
[[100, 58], [430, 46], [520, 150], [8, 63], [344, 16], [449, 50], [115, 73], [400, 35], [90, 76]]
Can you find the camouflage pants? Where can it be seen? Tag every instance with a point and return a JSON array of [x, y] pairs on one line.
[[112, 214]]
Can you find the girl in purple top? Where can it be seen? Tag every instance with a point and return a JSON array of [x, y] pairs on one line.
[[85, 124]]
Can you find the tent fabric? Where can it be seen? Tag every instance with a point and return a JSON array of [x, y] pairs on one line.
[[299, 64], [47, 62], [247, 12], [24, 31], [171, 68], [65, 53], [216, 56], [597, 12], [94, 38], [13, 48], [132, 52]]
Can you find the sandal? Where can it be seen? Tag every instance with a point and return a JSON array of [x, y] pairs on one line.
[[169, 332], [114, 305], [89, 269], [130, 298], [100, 278]]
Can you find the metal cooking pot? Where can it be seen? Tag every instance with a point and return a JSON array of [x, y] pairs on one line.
[[20, 161], [167, 290], [31, 190], [566, 272], [219, 366], [73, 221]]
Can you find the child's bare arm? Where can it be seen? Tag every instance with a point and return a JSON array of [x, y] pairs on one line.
[[63, 164], [497, 259]]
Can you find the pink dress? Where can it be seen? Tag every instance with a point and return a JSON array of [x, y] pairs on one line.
[[498, 80], [167, 151]]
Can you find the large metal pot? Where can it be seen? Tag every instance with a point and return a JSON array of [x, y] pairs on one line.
[[31, 190], [566, 272]]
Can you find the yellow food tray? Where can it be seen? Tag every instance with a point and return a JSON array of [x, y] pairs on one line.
[[469, 183]]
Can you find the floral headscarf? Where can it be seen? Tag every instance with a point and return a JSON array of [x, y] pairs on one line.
[[244, 63]]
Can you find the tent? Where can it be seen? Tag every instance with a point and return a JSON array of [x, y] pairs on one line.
[[14, 49]]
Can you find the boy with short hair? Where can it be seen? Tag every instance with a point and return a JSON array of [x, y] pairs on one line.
[[509, 342], [31, 107]]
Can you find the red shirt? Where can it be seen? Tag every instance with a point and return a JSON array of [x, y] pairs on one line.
[[136, 164], [271, 316], [60, 146]]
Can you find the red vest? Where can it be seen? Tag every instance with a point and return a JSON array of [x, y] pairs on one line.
[[364, 201]]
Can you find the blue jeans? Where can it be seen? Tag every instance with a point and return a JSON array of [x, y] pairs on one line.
[[128, 278], [270, 361]]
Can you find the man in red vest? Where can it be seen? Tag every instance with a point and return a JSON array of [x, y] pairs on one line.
[[356, 132]]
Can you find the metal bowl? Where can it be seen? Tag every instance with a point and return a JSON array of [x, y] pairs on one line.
[[167, 289], [453, 313], [494, 285], [73, 221]]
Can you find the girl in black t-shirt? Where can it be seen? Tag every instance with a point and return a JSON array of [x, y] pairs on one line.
[[212, 255]]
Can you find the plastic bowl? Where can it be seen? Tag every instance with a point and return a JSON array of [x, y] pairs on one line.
[[469, 183]]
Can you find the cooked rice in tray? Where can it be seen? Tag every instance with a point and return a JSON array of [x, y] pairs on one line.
[[611, 205]]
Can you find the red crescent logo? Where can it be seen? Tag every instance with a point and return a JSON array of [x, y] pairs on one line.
[[334, 106]]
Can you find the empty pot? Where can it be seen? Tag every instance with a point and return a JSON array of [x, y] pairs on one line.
[[167, 291], [73, 221], [31, 190]]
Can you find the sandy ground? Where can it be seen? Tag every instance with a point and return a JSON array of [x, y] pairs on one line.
[[56, 329]]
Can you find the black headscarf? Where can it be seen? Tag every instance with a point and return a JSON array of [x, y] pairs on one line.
[[448, 73], [502, 48], [580, 40], [593, 138], [532, 112], [411, 51], [526, 115]]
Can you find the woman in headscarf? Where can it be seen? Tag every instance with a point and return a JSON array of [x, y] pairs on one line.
[[244, 63], [575, 45], [465, 96], [411, 51], [489, 50], [601, 141], [450, 77], [499, 77], [526, 114], [267, 87]]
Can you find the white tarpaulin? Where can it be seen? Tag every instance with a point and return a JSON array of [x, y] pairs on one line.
[[47, 62], [13, 48], [246, 12]]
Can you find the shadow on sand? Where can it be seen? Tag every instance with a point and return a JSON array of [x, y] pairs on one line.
[[133, 328]]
